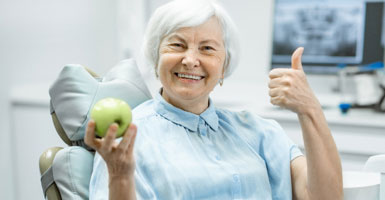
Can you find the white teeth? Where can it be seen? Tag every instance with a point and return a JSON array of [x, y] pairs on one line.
[[189, 76]]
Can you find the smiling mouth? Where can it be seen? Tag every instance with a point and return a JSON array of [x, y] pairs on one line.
[[189, 76]]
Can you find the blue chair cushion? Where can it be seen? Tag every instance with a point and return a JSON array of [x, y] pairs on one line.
[[75, 92], [72, 168]]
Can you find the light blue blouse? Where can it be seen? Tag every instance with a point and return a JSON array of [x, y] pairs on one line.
[[218, 154]]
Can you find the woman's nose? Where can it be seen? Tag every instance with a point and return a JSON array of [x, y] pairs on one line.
[[191, 59]]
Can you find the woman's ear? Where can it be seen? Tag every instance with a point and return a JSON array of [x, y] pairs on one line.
[[156, 72], [222, 77], [156, 69], [223, 72]]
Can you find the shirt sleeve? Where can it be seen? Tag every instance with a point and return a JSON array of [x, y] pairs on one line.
[[99, 180], [278, 150], [98, 189], [272, 144]]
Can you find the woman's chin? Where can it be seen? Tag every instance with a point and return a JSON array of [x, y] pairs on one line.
[[188, 94]]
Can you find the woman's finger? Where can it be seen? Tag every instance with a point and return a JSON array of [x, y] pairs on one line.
[[273, 83], [109, 139], [128, 137], [278, 100], [279, 72], [274, 92], [296, 62], [89, 138], [134, 132]]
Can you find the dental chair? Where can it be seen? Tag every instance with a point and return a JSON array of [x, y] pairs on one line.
[[66, 171], [376, 164], [368, 184]]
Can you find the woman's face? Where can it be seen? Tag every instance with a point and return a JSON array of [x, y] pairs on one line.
[[191, 63]]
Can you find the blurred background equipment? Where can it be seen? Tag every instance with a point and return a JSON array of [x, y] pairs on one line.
[[332, 32], [361, 87]]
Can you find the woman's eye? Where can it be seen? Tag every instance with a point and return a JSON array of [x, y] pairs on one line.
[[177, 45], [207, 48]]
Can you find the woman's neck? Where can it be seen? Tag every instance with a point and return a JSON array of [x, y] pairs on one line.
[[196, 106]]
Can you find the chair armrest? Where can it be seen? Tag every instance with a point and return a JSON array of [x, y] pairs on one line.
[[45, 162]]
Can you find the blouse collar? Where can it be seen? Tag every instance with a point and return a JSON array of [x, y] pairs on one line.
[[186, 119]]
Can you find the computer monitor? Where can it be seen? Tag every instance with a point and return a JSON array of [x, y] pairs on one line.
[[333, 33]]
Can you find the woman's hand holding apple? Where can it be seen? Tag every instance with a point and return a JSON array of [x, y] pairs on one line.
[[119, 157]]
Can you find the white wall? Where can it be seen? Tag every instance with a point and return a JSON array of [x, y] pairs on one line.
[[33, 134], [37, 38], [6, 172], [40, 37], [253, 19]]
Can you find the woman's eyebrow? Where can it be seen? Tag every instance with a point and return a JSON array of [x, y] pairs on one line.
[[180, 38], [210, 41], [176, 36]]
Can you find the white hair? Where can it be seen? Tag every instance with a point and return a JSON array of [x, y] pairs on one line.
[[189, 13]]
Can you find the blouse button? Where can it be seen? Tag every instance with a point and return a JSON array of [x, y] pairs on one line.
[[236, 177]]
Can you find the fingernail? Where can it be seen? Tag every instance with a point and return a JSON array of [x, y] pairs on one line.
[[114, 126], [131, 128]]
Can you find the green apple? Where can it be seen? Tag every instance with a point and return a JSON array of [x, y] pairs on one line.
[[108, 111]]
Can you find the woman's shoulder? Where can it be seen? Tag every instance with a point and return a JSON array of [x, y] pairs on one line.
[[143, 110], [253, 128], [244, 117]]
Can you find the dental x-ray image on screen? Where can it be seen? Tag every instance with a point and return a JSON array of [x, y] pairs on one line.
[[330, 31]]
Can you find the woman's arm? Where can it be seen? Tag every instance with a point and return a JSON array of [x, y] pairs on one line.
[[319, 176], [119, 159], [122, 188]]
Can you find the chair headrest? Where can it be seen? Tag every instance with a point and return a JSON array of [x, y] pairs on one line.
[[76, 90]]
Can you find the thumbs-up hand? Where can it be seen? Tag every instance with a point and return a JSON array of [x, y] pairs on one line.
[[289, 88]]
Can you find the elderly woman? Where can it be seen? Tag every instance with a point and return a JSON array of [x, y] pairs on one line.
[[186, 148]]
